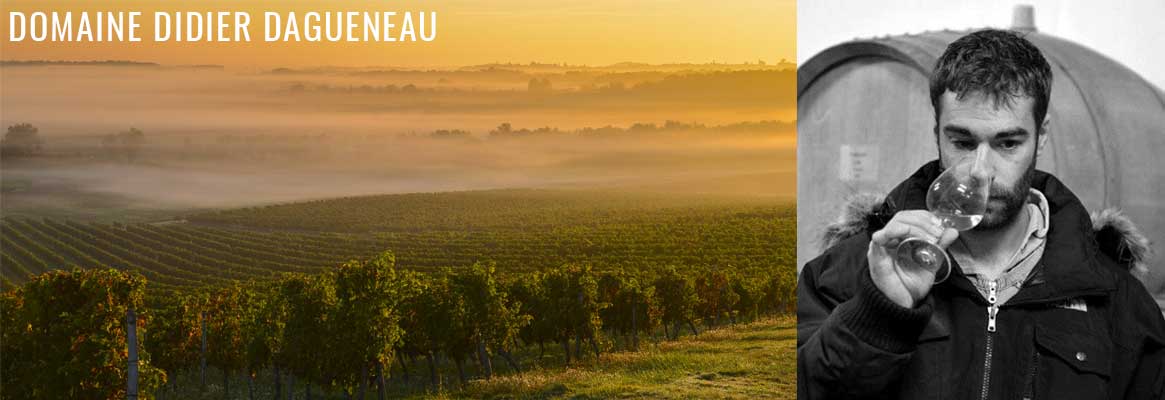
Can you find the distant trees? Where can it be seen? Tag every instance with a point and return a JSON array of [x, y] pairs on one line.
[[612, 87], [539, 85], [451, 134], [124, 145], [506, 130], [21, 140]]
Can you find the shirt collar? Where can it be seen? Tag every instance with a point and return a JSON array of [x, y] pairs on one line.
[[1038, 223]]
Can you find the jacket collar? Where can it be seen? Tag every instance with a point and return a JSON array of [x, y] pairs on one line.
[[1070, 266]]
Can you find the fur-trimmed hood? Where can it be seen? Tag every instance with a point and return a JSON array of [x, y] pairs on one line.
[[1115, 234]]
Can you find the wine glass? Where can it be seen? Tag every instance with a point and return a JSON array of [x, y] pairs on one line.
[[958, 197]]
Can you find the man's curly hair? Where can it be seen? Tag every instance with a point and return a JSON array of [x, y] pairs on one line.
[[999, 64]]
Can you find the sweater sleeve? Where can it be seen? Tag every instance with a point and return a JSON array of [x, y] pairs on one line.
[[850, 345]]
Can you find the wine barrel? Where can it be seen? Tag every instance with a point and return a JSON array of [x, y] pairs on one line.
[[865, 122]]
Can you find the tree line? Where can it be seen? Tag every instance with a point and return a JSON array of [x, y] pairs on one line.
[[24, 140]]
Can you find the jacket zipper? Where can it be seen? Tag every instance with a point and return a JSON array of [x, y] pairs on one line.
[[992, 311], [1029, 388]]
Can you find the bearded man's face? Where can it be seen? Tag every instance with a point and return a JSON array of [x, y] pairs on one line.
[[1006, 131]]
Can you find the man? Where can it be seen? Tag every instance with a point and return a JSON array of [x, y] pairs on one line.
[[1033, 308]]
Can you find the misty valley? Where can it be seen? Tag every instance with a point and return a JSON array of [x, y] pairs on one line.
[[144, 141]]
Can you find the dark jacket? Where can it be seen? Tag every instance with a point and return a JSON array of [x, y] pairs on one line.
[[853, 342]]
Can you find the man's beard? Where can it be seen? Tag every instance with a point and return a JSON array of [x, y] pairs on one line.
[[1012, 200]]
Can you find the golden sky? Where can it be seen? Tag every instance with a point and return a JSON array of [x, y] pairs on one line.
[[596, 32]]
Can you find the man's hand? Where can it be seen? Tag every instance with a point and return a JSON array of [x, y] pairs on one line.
[[905, 287]]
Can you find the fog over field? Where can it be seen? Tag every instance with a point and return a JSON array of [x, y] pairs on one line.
[[212, 137]]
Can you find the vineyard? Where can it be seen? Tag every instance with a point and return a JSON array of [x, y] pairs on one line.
[[356, 295]]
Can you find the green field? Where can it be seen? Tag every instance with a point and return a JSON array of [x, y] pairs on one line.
[[755, 360], [732, 257], [520, 230]]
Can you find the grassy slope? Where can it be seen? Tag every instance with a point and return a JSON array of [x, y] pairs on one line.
[[757, 360]]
